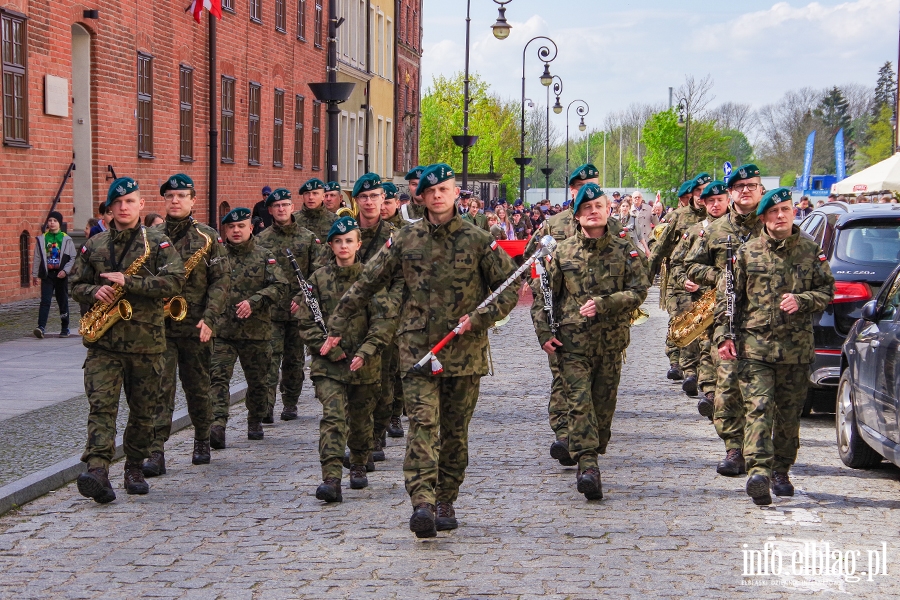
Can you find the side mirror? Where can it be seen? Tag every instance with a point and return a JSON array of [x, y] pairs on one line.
[[870, 311]]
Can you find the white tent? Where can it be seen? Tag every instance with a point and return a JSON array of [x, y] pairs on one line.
[[880, 177]]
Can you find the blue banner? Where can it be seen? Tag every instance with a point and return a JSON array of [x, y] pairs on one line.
[[840, 167], [807, 160]]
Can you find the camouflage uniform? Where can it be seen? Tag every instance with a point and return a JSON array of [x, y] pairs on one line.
[[705, 265], [479, 220], [774, 348], [348, 397], [609, 270], [256, 277], [415, 211], [448, 270], [205, 292], [287, 347], [317, 220], [397, 220], [130, 353]]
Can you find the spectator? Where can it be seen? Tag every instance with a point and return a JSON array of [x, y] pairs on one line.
[[91, 223], [54, 257], [831, 198], [494, 226], [261, 217], [658, 212], [474, 216], [643, 219], [803, 208], [403, 198], [153, 219], [521, 225], [862, 199], [100, 227], [463, 202], [623, 214], [505, 222], [820, 203], [537, 218]]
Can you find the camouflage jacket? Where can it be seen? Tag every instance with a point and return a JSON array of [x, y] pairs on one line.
[[677, 266], [415, 211], [255, 276], [765, 269], [373, 238], [206, 288], [479, 220], [448, 270], [366, 333], [161, 276], [562, 226], [317, 220], [674, 226], [607, 269], [397, 220], [308, 251], [705, 260]]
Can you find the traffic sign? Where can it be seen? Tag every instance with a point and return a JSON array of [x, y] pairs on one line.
[[726, 168]]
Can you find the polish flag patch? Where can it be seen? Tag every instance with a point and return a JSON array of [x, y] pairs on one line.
[[389, 243], [494, 245], [702, 232], [220, 240], [83, 249], [623, 233], [164, 245], [318, 241], [685, 236], [271, 261], [634, 254], [822, 257]]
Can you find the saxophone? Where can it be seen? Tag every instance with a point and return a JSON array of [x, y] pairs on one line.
[[104, 315], [176, 307], [692, 323]]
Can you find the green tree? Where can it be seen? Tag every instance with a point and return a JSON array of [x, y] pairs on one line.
[[885, 88], [881, 137], [834, 113]]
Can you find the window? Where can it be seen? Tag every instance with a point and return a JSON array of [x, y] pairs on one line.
[[379, 45], [298, 131], [316, 160], [228, 5], [227, 120], [24, 259], [15, 80], [278, 133], [256, 10], [253, 103], [389, 50], [279, 16], [317, 34], [145, 105], [186, 94], [301, 20]]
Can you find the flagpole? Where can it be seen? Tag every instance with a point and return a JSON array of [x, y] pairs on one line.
[[213, 130]]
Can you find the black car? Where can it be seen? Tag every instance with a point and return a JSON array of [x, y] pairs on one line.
[[862, 245], [868, 403]]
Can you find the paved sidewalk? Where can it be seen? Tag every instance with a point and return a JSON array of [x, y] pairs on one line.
[[248, 525]]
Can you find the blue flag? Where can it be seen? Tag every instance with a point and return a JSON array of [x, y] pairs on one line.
[[807, 160], [840, 168]]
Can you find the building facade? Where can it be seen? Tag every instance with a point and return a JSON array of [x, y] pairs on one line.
[[409, 86], [122, 87]]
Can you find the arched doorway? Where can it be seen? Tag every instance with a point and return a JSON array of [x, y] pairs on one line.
[[82, 137]]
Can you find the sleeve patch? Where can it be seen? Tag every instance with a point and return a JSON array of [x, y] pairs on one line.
[[164, 245], [83, 249], [318, 241], [623, 233], [822, 257], [389, 242], [494, 245], [220, 240], [271, 261], [685, 236], [634, 254], [702, 232]]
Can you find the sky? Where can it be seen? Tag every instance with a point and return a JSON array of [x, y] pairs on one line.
[[614, 53]]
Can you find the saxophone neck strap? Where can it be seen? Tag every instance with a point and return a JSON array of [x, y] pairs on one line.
[[117, 262]]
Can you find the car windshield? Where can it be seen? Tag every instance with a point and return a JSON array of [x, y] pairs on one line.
[[870, 243]]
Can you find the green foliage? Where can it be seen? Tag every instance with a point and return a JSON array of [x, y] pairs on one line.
[[885, 88], [881, 137]]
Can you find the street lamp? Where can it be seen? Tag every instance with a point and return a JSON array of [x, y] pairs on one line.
[[684, 120], [547, 55], [581, 110], [501, 27], [557, 89]]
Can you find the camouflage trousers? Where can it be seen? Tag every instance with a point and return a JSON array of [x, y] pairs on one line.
[[706, 369], [774, 395], [287, 354], [675, 305], [346, 422], [437, 445], [191, 358], [105, 374], [591, 385], [728, 414], [557, 407], [389, 390], [255, 357]]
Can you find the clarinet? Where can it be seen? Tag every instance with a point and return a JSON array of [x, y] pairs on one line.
[[311, 300], [548, 296], [729, 287]]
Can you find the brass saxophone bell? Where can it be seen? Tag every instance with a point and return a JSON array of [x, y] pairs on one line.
[[125, 310], [349, 211], [639, 316], [176, 308]]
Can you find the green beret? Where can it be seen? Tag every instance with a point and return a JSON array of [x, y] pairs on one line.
[[686, 188], [702, 179], [277, 196], [589, 191], [776, 196], [312, 185], [743, 172], [236, 215], [715, 188], [390, 190], [585, 171], [433, 175], [179, 181], [367, 182], [120, 187], [342, 226], [332, 186], [415, 173]]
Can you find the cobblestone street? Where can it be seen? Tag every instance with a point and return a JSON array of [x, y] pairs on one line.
[[248, 525]]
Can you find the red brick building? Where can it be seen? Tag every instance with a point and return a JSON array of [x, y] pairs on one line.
[[409, 85], [123, 85]]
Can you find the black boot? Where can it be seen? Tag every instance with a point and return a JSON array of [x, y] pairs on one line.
[[733, 464], [134, 478], [675, 373], [217, 437], [560, 451], [706, 406], [370, 466], [378, 451], [589, 484], [254, 430], [289, 413], [395, 428], [94, 483], [155, 465], [781, 484], [358, 479], [201, 454], [422, 521], [689, 386], [758, 489], [446, 517], [329, 490]]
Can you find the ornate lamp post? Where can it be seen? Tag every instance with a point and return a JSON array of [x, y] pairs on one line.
[[684, 120], [557, 109], [546, 54], [581, 110]]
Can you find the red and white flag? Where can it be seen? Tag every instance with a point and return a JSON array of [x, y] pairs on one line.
[[213, 6], [658, 198]]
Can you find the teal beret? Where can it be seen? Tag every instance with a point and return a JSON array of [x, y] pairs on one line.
[[390, 190], [415, 173], [743, 172], [236, 214], [702, 179], [342, 226], [715, 188], [585, 171], [776, 196], [332, 186], [277, 196], [686, 188], [312, 185], [120, 187], [589, 191], [433, 175], [179, 181], [367, 182]]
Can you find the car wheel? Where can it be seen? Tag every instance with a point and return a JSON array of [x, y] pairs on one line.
[[854, 451]]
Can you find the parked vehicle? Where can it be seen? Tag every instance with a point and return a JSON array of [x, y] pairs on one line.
[[868, 399], [862, 245]]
